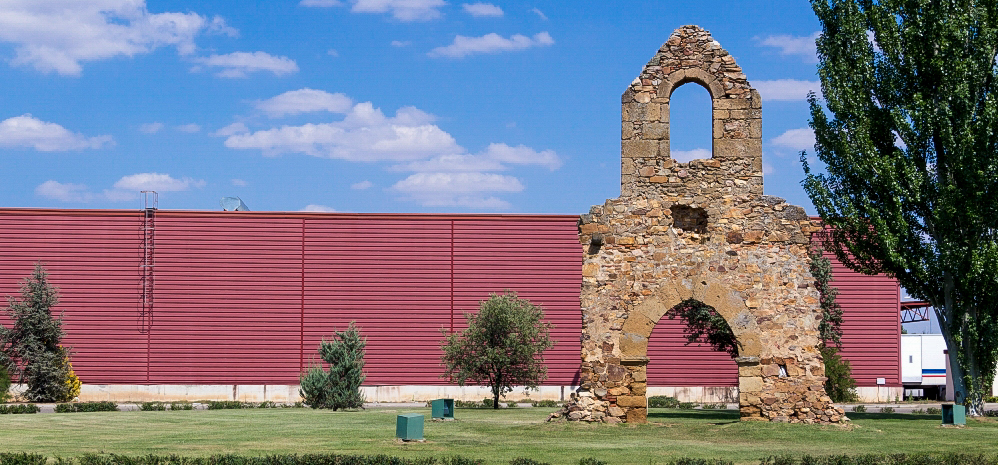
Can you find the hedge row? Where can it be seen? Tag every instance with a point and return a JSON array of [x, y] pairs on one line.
[[334, 459]]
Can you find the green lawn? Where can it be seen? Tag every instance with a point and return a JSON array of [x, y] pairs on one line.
[[497, 436]]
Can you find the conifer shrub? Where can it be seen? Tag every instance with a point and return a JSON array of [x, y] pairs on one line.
[[101, 406], [4, 384], [339, 387], [18, 409]]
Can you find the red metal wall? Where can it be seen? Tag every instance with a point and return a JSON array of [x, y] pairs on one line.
[[245, 297]]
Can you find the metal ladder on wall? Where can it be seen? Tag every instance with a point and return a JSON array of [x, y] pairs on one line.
[[150, 202]]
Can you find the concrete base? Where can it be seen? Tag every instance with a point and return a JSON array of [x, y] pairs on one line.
[[289, 393]]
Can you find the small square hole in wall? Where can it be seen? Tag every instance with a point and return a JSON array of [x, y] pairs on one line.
[[689, 219], [783, 371]]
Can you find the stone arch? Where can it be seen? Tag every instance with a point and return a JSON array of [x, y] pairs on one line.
[[705, 230]]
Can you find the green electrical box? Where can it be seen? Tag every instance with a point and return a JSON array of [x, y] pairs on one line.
[[954, 414], [443, 409], [409, 427]]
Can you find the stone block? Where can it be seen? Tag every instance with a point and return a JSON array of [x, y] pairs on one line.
[[639, 148], [633, 111], [637, 415], [749, 384], [632, 401], [732, 104], [738, 148], [655, 131]]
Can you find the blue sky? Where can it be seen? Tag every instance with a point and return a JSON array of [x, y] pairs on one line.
[[366, 105]]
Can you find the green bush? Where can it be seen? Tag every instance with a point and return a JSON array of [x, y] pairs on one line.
[[717, 406], [859, 408], [152, 406], [886, 409], [545, 403], [227, 404], [4, 384], [338, 388], [934, 411], [102, 406], [592, 461], [19, 408], [294, 405], [686, 405], [878, 459], [11, 458], [181, 406], [526, 461], [991, 399], [918, 411], [686, 461], [663, 402]]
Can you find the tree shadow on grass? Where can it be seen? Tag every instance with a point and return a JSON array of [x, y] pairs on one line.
[[705, 415], [891, 416]]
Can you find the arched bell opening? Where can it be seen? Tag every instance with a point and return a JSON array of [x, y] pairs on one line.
[[690, 123]]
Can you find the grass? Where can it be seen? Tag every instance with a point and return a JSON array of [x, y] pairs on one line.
[[497, 436]]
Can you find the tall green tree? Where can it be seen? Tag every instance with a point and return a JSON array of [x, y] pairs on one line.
[[30, 348], [501, 348], [909, 139]]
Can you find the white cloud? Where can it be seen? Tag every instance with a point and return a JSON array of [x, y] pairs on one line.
[[767, 168], [28, 131], [189, 128], [60, 36], [786, 89], [317, 208], [479, 10], [539, 13], [150, 128], [156, 182], [304, 100], [240, 64], [235, 128], [365, 134], [452, 163], [523, 155], [402, 10], [796, 139], [127, 188], [789, 45], [458, 189], [64, 192], [320, 3], [685, 156], [401, 43], [239, 183], [361, 185], [332, 52], [490, 43]]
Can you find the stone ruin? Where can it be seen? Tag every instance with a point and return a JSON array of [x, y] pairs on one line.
[[701, 230]]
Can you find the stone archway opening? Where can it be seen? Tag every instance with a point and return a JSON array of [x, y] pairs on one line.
[[691, 355], [690, 123]]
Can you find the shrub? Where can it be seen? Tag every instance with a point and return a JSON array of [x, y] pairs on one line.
[[991, 399], [298, 405], [886, 409], [227, 404], [267, 404], [688, 461], [686, 405], [31, 346], [338, 388], [19, 408], [592, 461], [859, 408], [73, 383], [512, 404], [663, 402], [526, 461], [718, 406], [934, 411], [4, 384], [545, 403], [102, 406], [502, 347], [22, 458], [181, 406], [918, 411], [152, 406]]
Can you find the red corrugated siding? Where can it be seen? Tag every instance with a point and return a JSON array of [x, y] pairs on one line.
[[244, 298], [871, 324]]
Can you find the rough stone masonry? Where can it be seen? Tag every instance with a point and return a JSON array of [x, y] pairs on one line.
[[700, 230]]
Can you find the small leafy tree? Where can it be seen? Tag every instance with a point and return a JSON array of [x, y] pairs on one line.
[[705, 325], [30, 348], [502, 347], [338, 388], [839, 383]]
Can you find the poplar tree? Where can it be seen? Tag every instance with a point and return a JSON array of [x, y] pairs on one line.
[[909, 134]]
